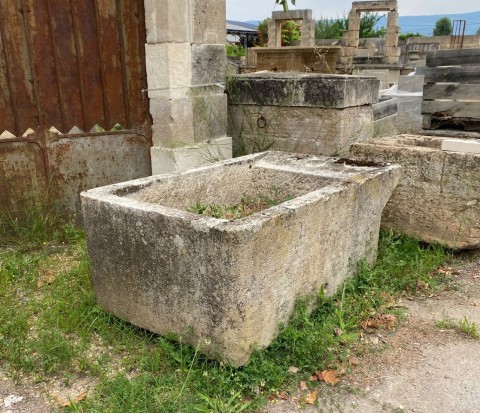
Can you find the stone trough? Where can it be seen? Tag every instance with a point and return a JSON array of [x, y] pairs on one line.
[[226, 285], [438, 197]]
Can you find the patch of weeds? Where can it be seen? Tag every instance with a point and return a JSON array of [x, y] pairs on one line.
[[55, 329], [465, 326], [37, 221], [248, 205]]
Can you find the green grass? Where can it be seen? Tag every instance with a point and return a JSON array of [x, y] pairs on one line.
[[248, 205], [50, 327], [464, 325]]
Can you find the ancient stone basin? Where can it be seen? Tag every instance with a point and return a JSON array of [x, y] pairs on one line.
[[438, 197], [228, 284]]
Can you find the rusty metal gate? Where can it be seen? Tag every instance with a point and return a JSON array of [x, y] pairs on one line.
[[67, 63], [70, 69]]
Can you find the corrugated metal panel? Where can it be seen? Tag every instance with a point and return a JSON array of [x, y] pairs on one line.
[[67, 63]]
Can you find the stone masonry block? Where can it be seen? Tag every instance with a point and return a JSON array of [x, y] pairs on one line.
[[392, 19], [209, 116], [209, 63], [209, 25], [169, 21], [182, 158], [231, 283], [391, 40], [172, 121], [302, 89], [168, 66], [437, 197]]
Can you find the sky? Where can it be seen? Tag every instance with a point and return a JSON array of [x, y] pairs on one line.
[[243, 10]]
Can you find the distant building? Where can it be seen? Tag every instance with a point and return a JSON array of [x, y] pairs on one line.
[[241, 33]]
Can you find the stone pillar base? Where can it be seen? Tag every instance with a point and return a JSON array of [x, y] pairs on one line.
[[166, 160]]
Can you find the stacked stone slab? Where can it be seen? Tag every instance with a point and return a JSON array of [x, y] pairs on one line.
[[352, 35], [226, 285], [297, 112], [438, 197], [186, 61]]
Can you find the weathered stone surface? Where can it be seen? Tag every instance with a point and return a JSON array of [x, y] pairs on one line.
[[305, 16], [298, 129], [298, 89], [209, 116], [209, 62], [169, 68], [375, 5], [172, 121], [181, 158], [169, 21], [231, 283], [438, 197], [209, 24], [321, 59]]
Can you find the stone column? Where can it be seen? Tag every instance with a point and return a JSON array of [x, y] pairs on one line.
[[186, 63], [392, 51], [351, 37]]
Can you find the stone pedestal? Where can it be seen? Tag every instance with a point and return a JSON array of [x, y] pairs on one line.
[[307, 113], [186, 66]]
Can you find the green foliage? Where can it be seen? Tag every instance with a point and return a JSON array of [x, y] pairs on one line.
[[465, 326], [367, 26], [248, 205], [443, 27], [405, 36], [334, 28], [57, 330], [330, 28], [291, 31], [284, 3], [234, 50], [262, 31], [478, 31], [33, 223]]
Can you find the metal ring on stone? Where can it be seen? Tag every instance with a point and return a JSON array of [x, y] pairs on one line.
[[261, 122]]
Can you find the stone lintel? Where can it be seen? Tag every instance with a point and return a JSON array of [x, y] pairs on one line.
[[370, 6], [302, 14], [307, 90]]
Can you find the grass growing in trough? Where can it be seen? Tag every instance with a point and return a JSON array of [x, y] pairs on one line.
[[51, 329], [248, 205]]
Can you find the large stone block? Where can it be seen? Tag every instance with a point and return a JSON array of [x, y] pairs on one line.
[[181, 158], [169, 21], [209, 24], [209, 116], [437, 199], [298, 129], [305, 90], [226, 282], [172, 121], [209, 62], [169, 68]]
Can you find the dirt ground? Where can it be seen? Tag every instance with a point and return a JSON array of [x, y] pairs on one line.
[[418, 367]]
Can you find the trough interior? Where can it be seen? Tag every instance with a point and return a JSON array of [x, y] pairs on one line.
[[224, 186]]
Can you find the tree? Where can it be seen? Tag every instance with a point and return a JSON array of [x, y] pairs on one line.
[[443, 27], [478, 31], [334, 28], [291, 31], [262, 31], [367, 26], [284, 3]]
